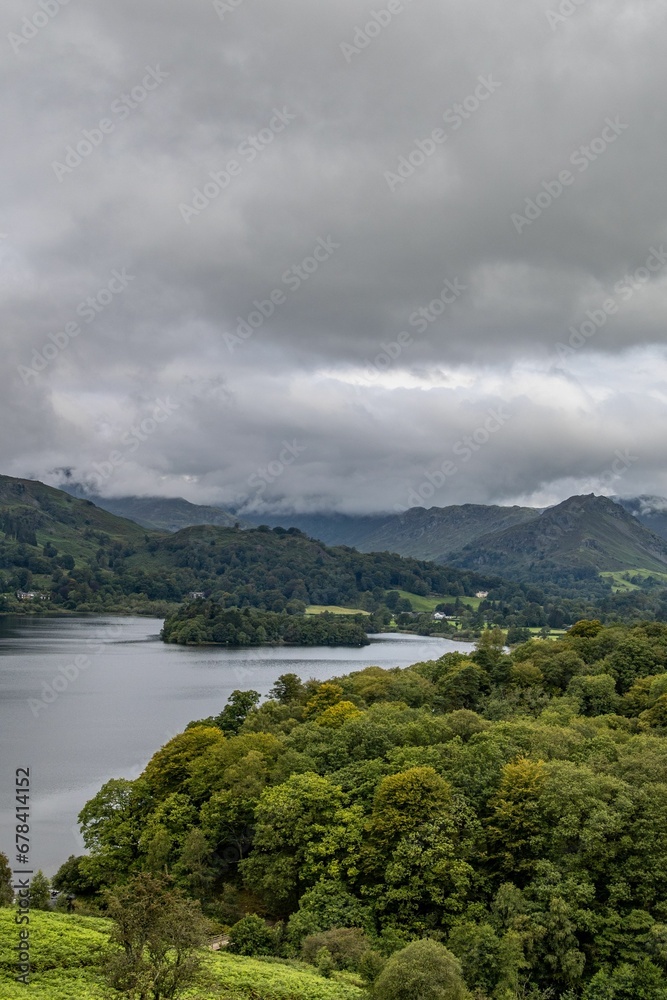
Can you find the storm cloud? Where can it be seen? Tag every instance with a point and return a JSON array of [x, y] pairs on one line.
[[289, 255]]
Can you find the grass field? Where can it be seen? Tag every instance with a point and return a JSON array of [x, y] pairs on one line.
[[66, 952], [257, 979], [430, 603], [319, 609], [621, 580]]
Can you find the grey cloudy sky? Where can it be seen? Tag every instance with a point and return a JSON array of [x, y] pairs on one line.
[[421, 243]]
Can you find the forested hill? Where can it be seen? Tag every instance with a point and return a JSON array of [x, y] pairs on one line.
[[78, 557], [265, 568]]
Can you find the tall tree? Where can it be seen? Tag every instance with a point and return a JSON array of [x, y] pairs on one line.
[[160, 934]]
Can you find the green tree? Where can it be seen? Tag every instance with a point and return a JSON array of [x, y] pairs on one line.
[[345, 946], [235, 712], [301, 829], [327, 695], [516, 829], [489, 654], [169, 769], [160, 934], [40, 891], [597, 694], [287, 689], [71, 878], [193, 869], [111, 824], [329, 904], [404, 801], [425, 970]]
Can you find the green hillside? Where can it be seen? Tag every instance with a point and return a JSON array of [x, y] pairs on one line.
[[67, 951], [585, 533], [267, 568], [30, 510]]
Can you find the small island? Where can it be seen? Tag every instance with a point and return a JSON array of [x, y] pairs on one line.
[[201, 622]]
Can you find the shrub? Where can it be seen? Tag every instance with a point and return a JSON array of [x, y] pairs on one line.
[[346, 945], [371, 965], [425, 970], [324, 963], [251, 936]]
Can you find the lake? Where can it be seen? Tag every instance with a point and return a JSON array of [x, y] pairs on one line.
[[88, 698]]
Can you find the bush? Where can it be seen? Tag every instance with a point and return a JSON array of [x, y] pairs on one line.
[[371, 965], [346, 945], [425, 970], [324, 963], [251, 936]]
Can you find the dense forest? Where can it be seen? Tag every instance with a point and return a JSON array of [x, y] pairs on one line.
[[508, 808]]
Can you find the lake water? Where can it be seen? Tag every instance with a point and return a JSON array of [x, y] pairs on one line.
[[78, 722]]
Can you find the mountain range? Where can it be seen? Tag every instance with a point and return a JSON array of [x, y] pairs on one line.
[[578, 538], [581, 534]]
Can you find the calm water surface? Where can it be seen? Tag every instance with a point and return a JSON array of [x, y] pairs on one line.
[[131, 695]]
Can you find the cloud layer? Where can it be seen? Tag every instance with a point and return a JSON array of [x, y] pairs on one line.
[[354, 230]]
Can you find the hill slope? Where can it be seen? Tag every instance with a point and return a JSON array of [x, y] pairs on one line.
[[419, 533], [582, 534], [330, 528], [157, 513], [167, 514], [29, 509], [440, 531]]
